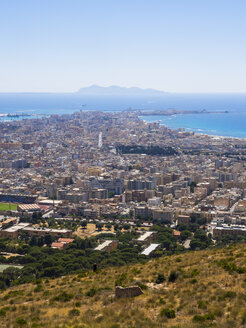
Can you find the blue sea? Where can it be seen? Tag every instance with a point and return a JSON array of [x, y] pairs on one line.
[[231, 124]]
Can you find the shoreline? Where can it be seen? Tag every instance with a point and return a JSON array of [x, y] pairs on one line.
[[192, 130], [171, 112], [8, 117]]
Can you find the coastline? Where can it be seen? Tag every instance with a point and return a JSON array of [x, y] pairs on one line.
[[220, 124], [148, 116], [194, 130], [226, 114]]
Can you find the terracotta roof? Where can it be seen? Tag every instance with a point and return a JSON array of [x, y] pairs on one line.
[[65, 240], [57, 245]]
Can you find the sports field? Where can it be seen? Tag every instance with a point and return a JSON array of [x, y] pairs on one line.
[[5, 207]]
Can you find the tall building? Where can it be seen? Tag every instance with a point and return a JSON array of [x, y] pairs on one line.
[[100, 140]]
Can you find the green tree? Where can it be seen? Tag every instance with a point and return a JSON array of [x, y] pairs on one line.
[[84, 224], [108, 226], [126, 226], [185, 234], [192, 186], [33, 241], [48, 240], [116, 226], [99, 226]]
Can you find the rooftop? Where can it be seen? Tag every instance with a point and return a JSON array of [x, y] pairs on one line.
[[145, 235], [150, 249], [103, 245]]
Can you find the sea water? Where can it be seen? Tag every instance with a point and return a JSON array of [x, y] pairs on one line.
[[232, 123]]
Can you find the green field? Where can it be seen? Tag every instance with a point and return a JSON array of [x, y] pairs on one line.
[[5, 207]]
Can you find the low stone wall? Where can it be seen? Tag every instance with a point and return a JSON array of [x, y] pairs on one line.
[[131, 291]]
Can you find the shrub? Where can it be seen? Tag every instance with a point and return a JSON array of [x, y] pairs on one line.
[[230, 294], [209, 316], [202, 318], [21, 322], [198, 318], [202, 304], [63, 297], [142, 286], [13, 294], [194, 273], [193, 281], [169, 313], [243, 318], [230, 267], [241, 270], [37, 289], [160, 278], [2, 285], [91, 292], [74, 313], [2, 313], [121, 279], [173, 276]]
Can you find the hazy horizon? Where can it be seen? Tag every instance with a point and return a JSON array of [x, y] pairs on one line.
[[175, 46], [109, 86]]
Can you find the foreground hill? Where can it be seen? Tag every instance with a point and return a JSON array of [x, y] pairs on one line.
[[201, 289]]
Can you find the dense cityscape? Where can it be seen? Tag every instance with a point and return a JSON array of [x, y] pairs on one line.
[[95, 190], [115, 171]]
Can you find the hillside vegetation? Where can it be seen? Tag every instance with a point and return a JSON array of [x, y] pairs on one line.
[[196, 289]]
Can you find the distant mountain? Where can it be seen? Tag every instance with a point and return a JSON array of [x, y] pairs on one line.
[[115, 90]]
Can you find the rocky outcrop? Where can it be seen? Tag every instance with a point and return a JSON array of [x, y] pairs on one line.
[[131, 291]]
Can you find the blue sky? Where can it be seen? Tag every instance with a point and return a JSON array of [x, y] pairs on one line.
[[171, 45]]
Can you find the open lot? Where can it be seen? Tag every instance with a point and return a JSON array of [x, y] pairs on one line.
[[92, 231]]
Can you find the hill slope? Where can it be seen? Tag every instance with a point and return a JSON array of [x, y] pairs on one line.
[[207, 289]]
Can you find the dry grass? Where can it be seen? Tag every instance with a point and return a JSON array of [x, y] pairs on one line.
[[204, 295]]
